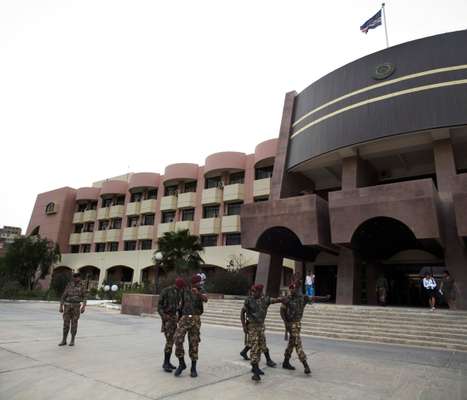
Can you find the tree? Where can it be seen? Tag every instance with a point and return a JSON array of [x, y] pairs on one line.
[[29, 259], [180, 252]]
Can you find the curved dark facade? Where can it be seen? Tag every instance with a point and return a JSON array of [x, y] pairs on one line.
[[427, 89]]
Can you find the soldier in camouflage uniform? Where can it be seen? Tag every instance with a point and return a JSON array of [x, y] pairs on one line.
[[256, 308], [294, 305], [167, 307], [191, 309], [70, 306]]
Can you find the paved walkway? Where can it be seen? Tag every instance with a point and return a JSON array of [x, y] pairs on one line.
[[119, 357]]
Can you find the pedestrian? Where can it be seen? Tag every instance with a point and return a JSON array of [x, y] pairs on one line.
[[167, 307], [72, 305], [190, 309], [309, 284], [294, 305], [382, 287], [202, 282], [448, 289], [256, 308], [429, 284]]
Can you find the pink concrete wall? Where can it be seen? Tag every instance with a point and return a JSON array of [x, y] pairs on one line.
[[114, 187], [182, 171], [144, 179], [265, 150], [227, 160], [87, 193]]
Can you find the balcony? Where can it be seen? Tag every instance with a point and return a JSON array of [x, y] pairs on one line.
[[168, 203], [103, 213], [130, 233], [212, 196], [75, 238], [113, 235], [100, 236], [231, 223], [148, 206], [186, 200], [117, 211], [165, 227], [181, 225], [209, 226], [133, 208], [146, 232], [262, 187], [86, 238], [78, 217], [234, 192], [89, 215]]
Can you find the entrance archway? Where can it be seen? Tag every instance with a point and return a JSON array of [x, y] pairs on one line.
[[90, 275], [120, 275]]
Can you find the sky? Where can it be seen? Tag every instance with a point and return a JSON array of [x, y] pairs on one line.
[[91, 89]]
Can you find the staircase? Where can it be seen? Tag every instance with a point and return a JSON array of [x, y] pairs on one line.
[[440, 329]]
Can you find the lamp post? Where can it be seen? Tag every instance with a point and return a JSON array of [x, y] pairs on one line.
[[158, 256]]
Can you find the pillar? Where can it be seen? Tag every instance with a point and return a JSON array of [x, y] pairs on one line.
[[269, 272], [347, 277]]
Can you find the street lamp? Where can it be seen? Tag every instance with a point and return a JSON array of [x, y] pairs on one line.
[[158, 256]]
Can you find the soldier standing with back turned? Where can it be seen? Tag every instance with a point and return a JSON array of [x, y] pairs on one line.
[[70, 306]]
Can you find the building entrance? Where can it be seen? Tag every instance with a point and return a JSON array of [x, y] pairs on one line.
[[326, 281]]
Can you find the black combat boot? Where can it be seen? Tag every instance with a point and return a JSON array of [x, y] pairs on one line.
[[244, 353], [170, 364], [72, 341], [256, 372], [166, 366], [286, 364], [65, 335], [307, 367], [193, 372], [269, 362], [181, 366]]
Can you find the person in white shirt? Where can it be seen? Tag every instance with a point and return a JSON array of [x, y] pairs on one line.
[[309, 284], [429, 284]]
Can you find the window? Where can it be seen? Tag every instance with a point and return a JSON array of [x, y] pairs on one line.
[[152, 194], [92, 205], [238, 177], [130, 245], [171, 190], [188, 214], [136, 196], [88, 227], [103, 225], [258, 199], [86, 248], [213, 182], [264, 172], [148, 219], [112, 246], [78, 228], [189, 187], [119, 200], [233, 208], [50, 208], [100, 247], [168, 216], [81, 207], [209, 240], [116, 223], [106, 202], [132, 221], [75, 248], [210, 211], [145, 244], [232, 239]]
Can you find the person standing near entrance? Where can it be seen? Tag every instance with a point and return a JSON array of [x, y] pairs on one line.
[[448, 290], [382, 287], [71, 308], [429, 284], [310, 284]]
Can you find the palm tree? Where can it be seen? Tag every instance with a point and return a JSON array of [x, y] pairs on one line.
[[179, 252]]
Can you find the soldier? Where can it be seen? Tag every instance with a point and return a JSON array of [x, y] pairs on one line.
[[70, 306], [191, 308], [167, 307], [256, 308], [294, 306]]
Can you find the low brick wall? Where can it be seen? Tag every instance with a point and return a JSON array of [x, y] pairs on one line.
[[137, 303]]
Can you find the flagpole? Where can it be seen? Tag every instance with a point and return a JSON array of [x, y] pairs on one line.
[[385, 25]]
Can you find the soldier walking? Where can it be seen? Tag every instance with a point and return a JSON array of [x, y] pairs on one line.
[[191, 309], [70, 306], [256, 308], [167, 307]]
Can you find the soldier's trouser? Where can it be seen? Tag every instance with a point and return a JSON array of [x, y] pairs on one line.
[[192, 326], [169, 328], [295, 342], [71, 315], [257, 341]]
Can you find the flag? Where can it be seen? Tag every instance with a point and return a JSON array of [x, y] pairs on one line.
[[372, 23]]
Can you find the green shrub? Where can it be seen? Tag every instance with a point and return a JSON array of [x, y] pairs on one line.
[[10, 290], [59, 282], [228, 282]]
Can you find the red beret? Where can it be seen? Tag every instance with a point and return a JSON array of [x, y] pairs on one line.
[[195, 279], [180, 283], [258, 288], [292, 286]]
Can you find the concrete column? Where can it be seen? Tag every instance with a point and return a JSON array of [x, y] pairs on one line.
[[356, 173], [269, 273], [102, 274], [347, 277]]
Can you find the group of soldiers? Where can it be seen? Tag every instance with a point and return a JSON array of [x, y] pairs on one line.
[[180, 307]]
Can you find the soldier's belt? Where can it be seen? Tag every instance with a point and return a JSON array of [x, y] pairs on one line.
[[71, 303]]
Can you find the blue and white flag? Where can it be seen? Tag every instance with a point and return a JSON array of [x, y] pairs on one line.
[[372, 23]]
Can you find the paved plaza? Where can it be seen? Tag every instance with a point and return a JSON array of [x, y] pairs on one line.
[[119, 357]]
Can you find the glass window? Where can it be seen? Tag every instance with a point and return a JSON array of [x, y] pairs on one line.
[[147, 219], [112, 246], [210, 211], [258, 199], [116, 223], [233, 208], [119, 200], [209, 240], [103, 225], [152, 194], [232, 239], [130, 245], [92, 205], [136, 196], [81, 207], [145, 244], [132, 221], [75, 248], [86, 248], [100, 247], [168, 216], [106, 202], [189, 187], [215, 181], [78, 228], [188, 214], [171, 190], [238, 177], [264, 172]]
